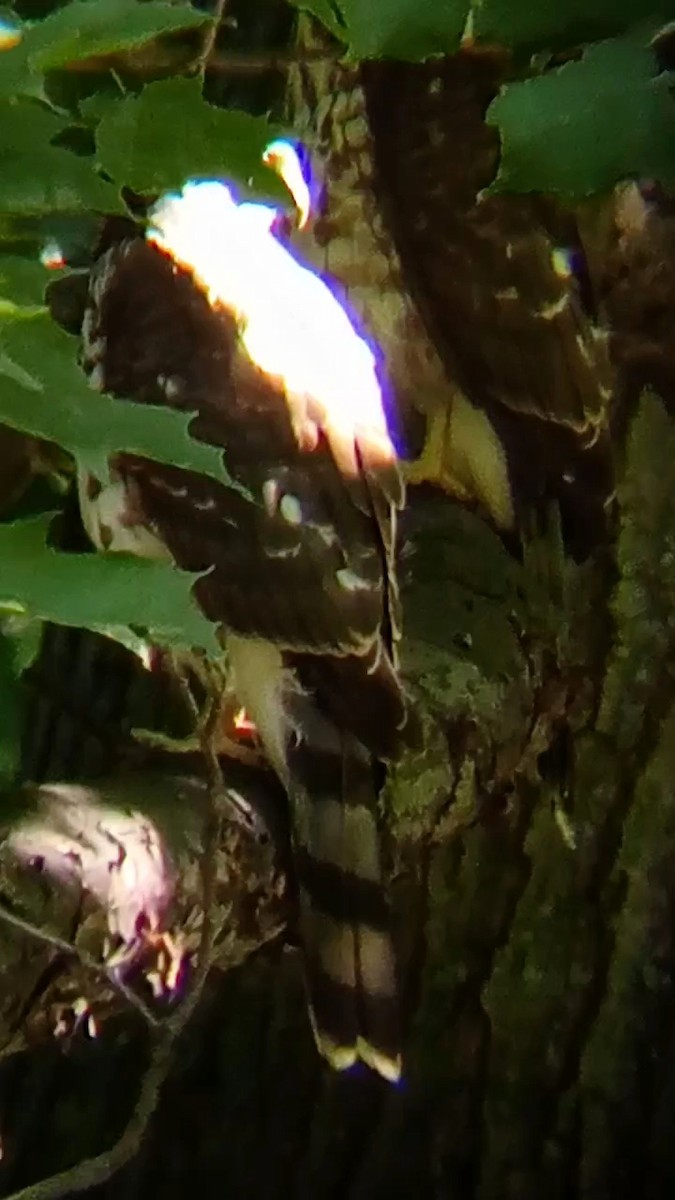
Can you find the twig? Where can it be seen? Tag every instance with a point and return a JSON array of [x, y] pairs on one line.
[[92, 1171], [87, 960], [159, 58], [260, 64], [210, 37]]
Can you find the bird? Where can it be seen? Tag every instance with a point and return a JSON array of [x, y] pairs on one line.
[[207, 311], [500, 366]]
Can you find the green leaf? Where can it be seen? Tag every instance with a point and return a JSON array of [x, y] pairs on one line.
[[16, 77], [154, 142], [38, 177], [579, 129], [25, 634], [405, 29], [88, 28], [98, 591], [326, 12], [548, 23], [22, 284], [43, 392], [414, 29]]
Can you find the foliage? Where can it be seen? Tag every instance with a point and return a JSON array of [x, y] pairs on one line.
[[154, 141], [399, 29], [44, 393], [97, 591], [555, 133], [100, 98], [414, 29]]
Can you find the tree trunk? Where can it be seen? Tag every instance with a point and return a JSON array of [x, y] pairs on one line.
[[534, 890]]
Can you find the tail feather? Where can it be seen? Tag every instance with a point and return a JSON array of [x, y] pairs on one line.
[[331, 779], [345, 918]]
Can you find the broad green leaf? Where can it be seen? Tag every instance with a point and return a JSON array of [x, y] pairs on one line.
[[38, 177], [43, 392], [414, 29], [102, 104], [87, 28], [25, 636], [98, 591], [154, 142], [548, 23], [16, 76], [22, 285], [579, 129], [325, 11], [406, 29]]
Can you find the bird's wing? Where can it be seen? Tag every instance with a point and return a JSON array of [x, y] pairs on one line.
[[480, 301]]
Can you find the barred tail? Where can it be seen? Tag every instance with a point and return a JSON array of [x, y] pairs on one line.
[[349, 958]]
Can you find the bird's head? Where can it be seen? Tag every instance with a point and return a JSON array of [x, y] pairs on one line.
[[290, 161]]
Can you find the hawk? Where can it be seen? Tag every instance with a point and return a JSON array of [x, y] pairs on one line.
[[211, 314], [480, 303]]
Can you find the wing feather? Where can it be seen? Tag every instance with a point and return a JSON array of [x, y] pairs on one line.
[[303, 563], [299, 572]]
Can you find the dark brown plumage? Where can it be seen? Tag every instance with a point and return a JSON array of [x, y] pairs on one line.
[[480, 303], [299, 555]]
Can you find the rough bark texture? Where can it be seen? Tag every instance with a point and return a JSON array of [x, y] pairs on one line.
[[533, 856], [534, 888]]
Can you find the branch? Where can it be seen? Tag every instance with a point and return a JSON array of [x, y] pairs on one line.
[[210, 37]]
